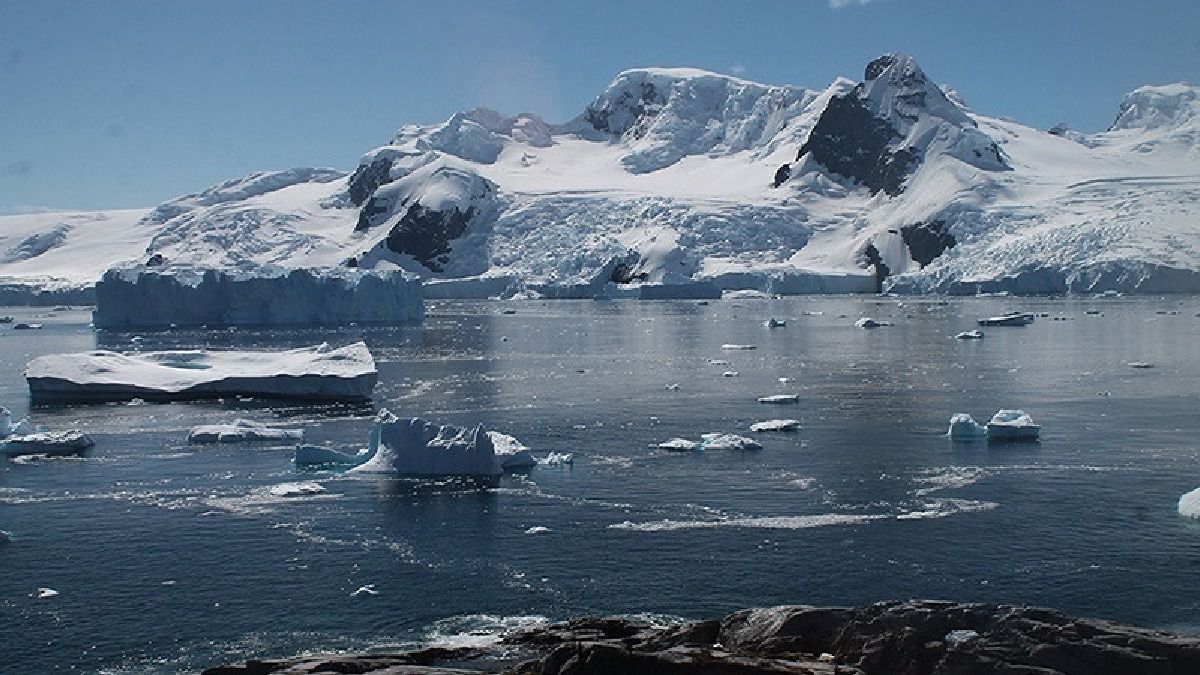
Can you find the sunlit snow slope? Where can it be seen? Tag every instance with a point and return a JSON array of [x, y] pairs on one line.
[[680, 175]]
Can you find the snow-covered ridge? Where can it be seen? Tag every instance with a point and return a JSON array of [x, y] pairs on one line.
[[679, 176]]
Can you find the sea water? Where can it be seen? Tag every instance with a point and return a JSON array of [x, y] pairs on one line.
[[168, 557]]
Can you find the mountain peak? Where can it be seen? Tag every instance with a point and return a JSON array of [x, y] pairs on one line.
[[1157, 106]]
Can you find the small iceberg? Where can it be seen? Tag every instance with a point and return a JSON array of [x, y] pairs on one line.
[[1141, 365], [970, 335], [737, 347], [44, 593], [1010, 319], [369, 589], [868, 322], [8, 428], [302, 489], [727, 442], [1189, 504], [538, 529], [513, 454], [780, 398], [730, 373], [242, 431], [678, 445], [557, 459], [963, 427], [1012, 425], [46, 443], [776, 323], [776, 425]]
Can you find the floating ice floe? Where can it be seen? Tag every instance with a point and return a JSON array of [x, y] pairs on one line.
[[301, 489], [1141, 364], [737, 347], [963, 427], [46, 443], [776, 425], [678, 445], [868, 322], [776, 323], [780, 398], [242, 431], [1189, 504], [1012, 425], [44, 593], [727, 442], [537, 529], [321, 373], [27, 326], [730, 373], [1010, 319], [557, 459], [970, 335], [674, 386]]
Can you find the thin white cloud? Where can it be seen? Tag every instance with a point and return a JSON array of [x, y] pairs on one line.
[[839, 4], [737, 69]]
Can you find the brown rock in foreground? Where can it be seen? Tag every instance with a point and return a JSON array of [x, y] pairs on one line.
[[889, 638]]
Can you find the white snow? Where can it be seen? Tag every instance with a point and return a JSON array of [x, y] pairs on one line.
[[241, 431], [187, 296], [1189, 504], [320, 372], [776, 425]]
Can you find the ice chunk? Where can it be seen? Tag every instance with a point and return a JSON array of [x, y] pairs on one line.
[[321, 373], [963, 427], [776, 323], [868, 322], [8, 427], [46, 443], [727, 442], [970, 335], [780, 398], [730, 373], [414, 447], [1189, 504], [303, 489], [776, 425], [736, 347], [27, 326], [537, 529], [186, 296], [369, 589], [242, 431], [557, 459], [44, 593], [678, 445], [512, 453], [1010, 319], [1141, 364], [1012, 425]]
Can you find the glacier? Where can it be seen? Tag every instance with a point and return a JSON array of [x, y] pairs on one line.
[[677, 182], [315, 373], [142, 296]]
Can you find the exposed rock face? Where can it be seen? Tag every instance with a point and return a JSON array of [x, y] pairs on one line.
[[872, 258], [850, 141], [889, 638], [927, 241]]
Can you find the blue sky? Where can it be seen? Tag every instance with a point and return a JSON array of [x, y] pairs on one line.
[[122, 104]]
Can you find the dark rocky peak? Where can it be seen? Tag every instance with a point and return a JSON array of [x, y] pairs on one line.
[[627, 103]]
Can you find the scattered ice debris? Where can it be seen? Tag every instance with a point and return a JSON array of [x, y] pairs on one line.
[[320, 372], [242, 431], [513, 454], [5, 536], [1189, 504], [169, 582], [776, 425], [369, 589], [868, 322], [729, 373], [301, 489], [1012, 425], [678, 445], [537, 529], [737, 347], [557, 459], [42, 593], [1010, 319], [970, 335], [727, 442], [1140, 364], [674, 386], [780, 398], [963, 427], [776, 323]]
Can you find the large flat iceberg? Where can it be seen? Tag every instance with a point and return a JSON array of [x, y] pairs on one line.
[[188, 296], [318, 373]]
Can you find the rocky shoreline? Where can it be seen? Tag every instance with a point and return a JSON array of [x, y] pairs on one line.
[[919, 637]]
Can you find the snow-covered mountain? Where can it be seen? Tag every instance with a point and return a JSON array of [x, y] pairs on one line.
[[680, 175]]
